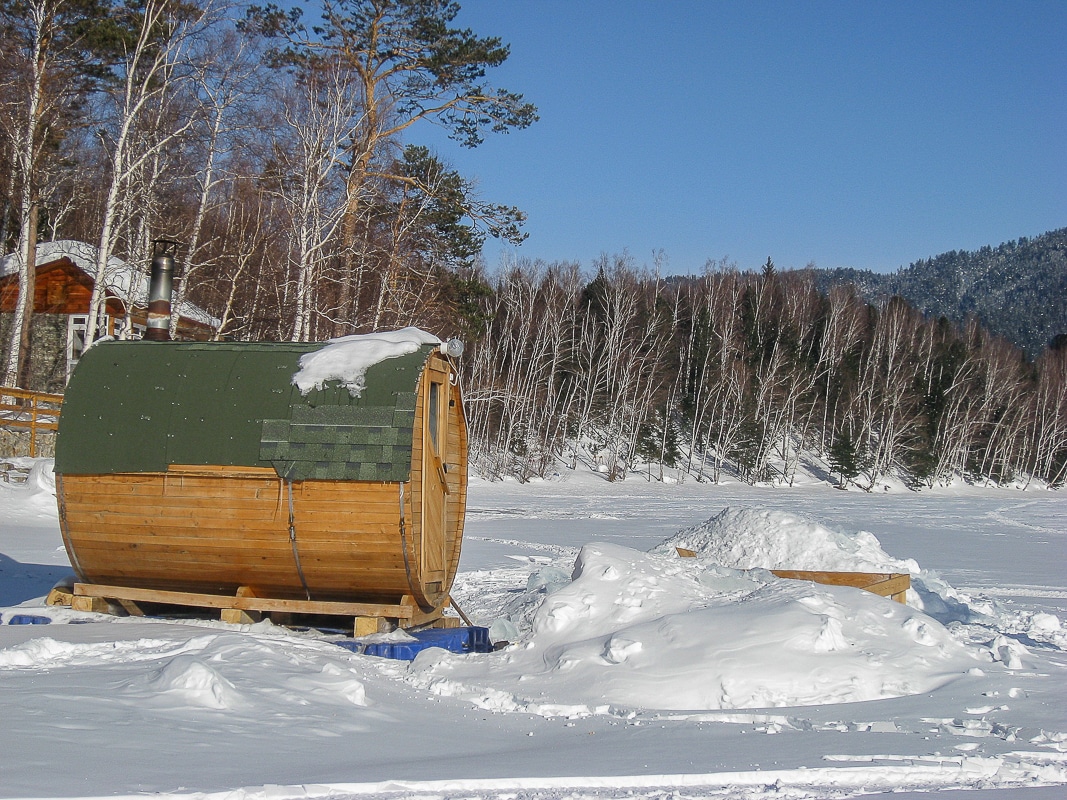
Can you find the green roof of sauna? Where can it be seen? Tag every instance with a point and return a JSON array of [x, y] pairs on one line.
[[142, 406]]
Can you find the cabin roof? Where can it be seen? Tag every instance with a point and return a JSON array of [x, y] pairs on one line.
[[143, 406], [122, 281]]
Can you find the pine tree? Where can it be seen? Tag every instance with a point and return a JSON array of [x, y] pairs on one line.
[[844, 458]]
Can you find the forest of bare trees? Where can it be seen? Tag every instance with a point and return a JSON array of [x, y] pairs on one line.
[[278, 151], [750, 372]]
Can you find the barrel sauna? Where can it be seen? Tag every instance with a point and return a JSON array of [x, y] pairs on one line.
[[203, 467]]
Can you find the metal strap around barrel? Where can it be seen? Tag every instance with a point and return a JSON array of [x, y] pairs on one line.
[[292, 541], [404, 545]]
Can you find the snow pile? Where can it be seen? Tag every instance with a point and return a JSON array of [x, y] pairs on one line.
[[347, 359], [637, 630], [751, 537], [256, 674], [42, 477]]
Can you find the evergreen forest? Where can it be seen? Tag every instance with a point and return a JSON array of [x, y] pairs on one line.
[[1017, 290]]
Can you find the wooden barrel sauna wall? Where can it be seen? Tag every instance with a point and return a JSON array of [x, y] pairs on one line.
[[200, 467]]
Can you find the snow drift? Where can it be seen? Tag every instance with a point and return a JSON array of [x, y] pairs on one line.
[[654, 631], [750, 537]]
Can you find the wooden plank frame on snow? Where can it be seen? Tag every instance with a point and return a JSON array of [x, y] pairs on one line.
[[893, 585], [245, 607]]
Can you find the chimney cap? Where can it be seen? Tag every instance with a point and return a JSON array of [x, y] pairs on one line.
[[165, 247]]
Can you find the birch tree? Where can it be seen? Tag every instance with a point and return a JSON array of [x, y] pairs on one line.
[[226, 82], [410, 65], [317, 116], [1048, 445], [53, 54], [152, 71]]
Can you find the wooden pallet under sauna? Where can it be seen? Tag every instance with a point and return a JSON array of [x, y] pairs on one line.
[[196, 474]]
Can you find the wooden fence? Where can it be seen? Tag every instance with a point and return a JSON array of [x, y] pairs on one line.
[[35, 411]]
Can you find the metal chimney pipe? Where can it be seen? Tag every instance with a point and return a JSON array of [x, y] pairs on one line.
[[160, 290]]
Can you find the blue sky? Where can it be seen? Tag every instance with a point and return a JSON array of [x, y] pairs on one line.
[[863, 134]]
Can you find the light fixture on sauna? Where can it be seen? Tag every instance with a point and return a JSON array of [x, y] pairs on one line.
[[452, 348]]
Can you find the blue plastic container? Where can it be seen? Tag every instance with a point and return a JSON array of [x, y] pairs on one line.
[[29, 619], [454, 640]]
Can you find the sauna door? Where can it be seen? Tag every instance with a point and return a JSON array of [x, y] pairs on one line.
[[434, 501]]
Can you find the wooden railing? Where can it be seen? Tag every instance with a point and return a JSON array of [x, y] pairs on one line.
[[36, 411]]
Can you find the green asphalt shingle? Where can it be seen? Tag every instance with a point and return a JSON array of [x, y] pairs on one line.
[[142, 406]]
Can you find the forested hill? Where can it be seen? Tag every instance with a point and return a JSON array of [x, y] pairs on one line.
[[1018, 290]]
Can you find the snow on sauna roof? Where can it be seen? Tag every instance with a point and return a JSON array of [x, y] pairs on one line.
[[121, 280], [347, 358]]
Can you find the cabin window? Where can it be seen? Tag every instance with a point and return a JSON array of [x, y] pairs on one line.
[[435, 414], [76, 327]]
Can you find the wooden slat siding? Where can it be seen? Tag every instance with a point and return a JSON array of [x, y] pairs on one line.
[[217, 470], [342, 556], [210, 600], [238, 568], [316, 526], [415, 522], [157, 488], [146, 530], [242, 541], [456, 456], [414, 510], [373, 511], [350, 539], [272, 583], [166, 507]]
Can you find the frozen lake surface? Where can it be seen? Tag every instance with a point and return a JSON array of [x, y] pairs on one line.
[[970, 694]]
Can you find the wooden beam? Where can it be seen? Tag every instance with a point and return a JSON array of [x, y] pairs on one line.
[[203, 600], [237, 616], [894, 587], [886, 584], [365, 626], [60, 596], [131, 608], [95, 604]]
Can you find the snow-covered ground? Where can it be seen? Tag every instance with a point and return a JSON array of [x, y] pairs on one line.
[[633, 672]]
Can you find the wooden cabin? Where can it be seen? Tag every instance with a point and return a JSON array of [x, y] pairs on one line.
[[63, 286], [199, 473]]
